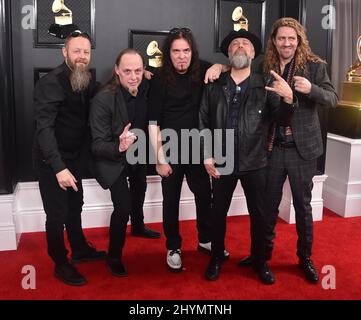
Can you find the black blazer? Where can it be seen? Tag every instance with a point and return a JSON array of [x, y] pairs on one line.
[[108, 118], [305, 123]]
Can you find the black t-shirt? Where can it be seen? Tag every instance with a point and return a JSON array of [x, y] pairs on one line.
[[284, 119], [137, 106], [177, 106], [238, 94]]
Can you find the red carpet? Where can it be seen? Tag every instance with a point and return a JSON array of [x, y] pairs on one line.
[[337, 242]]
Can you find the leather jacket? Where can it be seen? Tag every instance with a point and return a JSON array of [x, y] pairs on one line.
[[258, 110]]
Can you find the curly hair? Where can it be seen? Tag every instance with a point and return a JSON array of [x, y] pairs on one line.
[[303, 52], [114, 82], [167, 71]]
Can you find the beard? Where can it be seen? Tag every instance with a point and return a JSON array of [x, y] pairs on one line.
[[80, 77], [240, 61]]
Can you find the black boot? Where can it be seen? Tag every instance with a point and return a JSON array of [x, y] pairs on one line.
[[116, 267], [214, 268], [309, 270], [264, 273], [69, 275]]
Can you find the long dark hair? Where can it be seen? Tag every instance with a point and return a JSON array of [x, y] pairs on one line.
[[113, 82], [167, 71]]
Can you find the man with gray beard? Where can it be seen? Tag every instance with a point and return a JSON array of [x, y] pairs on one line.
[[61, 108], [238, 101]]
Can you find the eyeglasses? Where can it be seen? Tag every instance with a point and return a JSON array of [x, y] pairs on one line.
[[180, 30], [78, 33]]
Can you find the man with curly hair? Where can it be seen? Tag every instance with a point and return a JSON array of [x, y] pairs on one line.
[[295, 139]]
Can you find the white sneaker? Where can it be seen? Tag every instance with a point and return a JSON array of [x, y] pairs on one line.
[[174, 260], [207, 248]]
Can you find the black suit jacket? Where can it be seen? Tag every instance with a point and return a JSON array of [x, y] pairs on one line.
[[305, 122], [108, 118]]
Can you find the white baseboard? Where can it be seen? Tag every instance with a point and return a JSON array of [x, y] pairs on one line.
[[345, 203], [24, 210], [342, 190], [287, 210], [8, 231]]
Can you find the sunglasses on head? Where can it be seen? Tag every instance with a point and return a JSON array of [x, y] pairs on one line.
[[180, 30], [78, 33]]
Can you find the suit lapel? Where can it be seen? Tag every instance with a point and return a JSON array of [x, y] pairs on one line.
[[119, 101]]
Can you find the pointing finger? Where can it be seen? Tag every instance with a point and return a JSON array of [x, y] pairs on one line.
[[73, 185], [126, 129]]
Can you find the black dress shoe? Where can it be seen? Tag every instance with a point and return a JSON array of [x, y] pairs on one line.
[[116, 267], [145, 232], [87, 254], [265, 274], [245, 262], [309, 270], [214, 268], [69, 275]]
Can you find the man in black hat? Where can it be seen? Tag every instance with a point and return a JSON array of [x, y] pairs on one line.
[[239, 102]]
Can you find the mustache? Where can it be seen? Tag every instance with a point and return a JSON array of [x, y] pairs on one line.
[[82, 61]]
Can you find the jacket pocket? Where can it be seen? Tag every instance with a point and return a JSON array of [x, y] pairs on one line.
[[254, 123]]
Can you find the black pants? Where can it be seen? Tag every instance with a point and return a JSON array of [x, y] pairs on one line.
[[282, 163], [62, 208], [199, 183], [127, 194], [253, 184], [137, 177]]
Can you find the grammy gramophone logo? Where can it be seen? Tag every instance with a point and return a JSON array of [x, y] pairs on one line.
[[155, 55], [63, 16], [240, 20], [351, 88], [354, 72]]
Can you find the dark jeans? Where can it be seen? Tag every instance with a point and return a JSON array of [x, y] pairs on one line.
[[62, 208], [254, 185], [128, 200], [283, 163], [199, 183]]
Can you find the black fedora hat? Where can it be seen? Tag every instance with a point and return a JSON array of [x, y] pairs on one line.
[[241, 34]]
